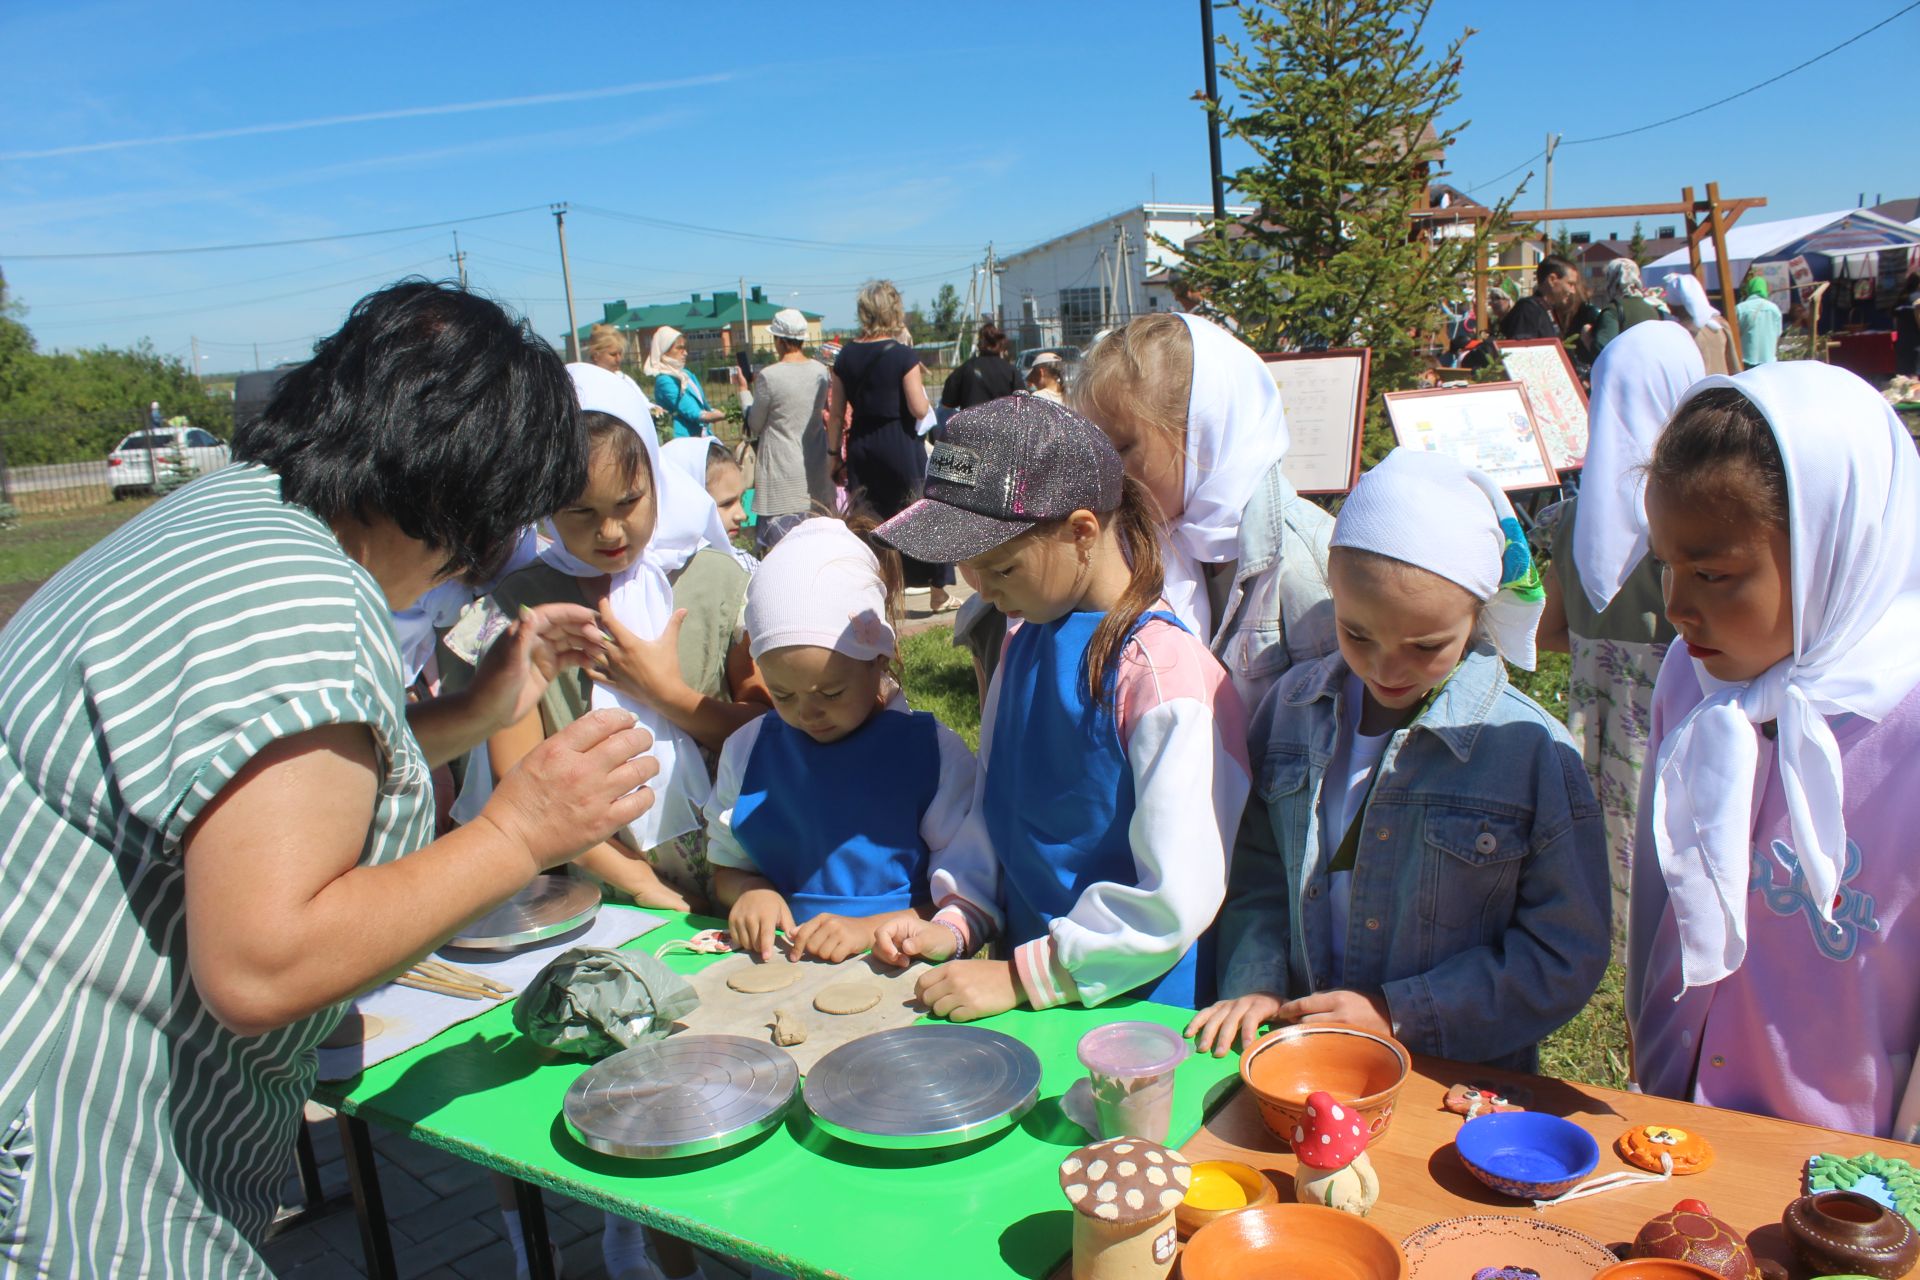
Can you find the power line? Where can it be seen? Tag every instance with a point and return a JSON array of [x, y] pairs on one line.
[[390, 274], [787, 241], [267, 244], [1517, 168], [69, 304]]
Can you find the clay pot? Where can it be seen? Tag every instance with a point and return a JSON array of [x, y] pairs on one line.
[[1656, 1269], [1257, 1188], [1836, 1232], [1362, 1070], [1292, 1240], [1690, 1233]]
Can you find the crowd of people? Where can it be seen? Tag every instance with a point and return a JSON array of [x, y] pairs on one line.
[[1237, 754]]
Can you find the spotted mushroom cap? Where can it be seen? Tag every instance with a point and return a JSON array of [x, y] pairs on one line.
[[1332, 1137], [1125, 1180]]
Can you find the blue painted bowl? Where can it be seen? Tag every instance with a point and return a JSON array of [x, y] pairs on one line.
[[1527, 1154]]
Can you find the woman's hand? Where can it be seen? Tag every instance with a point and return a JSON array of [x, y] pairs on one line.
[[1352, 1008], [519, 666], [967, 990], [1214, 1028], [576, 788], [757, 916], [905, 939], [645, 669]]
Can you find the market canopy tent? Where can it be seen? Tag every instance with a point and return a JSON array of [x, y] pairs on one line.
[[1823, 239]]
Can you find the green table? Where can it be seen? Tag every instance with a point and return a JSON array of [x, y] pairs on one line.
[[797, 1200]]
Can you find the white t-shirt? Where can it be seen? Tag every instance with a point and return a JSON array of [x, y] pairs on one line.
[[1342, 793]]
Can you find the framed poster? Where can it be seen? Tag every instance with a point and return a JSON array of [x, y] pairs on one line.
[[1489, 425], [1324, 394], [1553, 389]]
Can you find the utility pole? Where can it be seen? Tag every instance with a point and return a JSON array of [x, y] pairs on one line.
[[993, 285], [459, 260], [256, 357], [1553, 142], [1213, 121], [566, 278], [746, 321], [196, 362]]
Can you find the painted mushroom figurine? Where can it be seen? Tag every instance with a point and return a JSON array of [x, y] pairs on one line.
[[1331, 1145], [1690, 1233], [1124, 1192]]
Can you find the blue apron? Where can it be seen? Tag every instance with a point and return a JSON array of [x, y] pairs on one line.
[[1059, 793], [836, 826]]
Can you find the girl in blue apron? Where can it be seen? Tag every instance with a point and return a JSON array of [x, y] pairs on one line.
[[824, 816], [1112, 743]]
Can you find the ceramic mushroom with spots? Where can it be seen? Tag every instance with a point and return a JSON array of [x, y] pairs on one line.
[[1124, 1192], [1331, 1145]]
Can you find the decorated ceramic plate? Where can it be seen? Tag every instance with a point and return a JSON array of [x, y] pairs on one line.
[[1459, 1247]]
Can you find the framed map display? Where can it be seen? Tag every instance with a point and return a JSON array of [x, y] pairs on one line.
[[1489, 425], [1553, 389], [1324, 394]]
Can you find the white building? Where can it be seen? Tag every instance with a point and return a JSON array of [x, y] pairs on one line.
[[1067, 289]]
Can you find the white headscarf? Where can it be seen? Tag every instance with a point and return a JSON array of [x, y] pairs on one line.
[[659, 362], [1436, 513], [1236, 433], [642, 600], [1853, 493], [688, 455], [1638, 382], [1693, 299], [1623, 282], [820, 586]]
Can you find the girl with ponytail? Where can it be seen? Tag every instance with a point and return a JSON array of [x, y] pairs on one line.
[[1112, 743]]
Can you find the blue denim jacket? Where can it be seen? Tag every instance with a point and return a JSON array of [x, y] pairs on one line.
[[1277, 611], [1480, 901]]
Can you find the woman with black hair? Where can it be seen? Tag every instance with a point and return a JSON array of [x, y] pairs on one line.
[[987, 376], [209, 773]]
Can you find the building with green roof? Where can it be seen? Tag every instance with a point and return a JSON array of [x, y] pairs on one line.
[[716, 327]]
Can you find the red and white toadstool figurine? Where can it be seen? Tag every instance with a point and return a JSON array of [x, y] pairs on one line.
[[1332, 1149]]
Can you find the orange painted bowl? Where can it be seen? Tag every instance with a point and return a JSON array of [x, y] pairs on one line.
[[1656, 1269], [1292, 1242], [1361, 1069], [1216, 1188]]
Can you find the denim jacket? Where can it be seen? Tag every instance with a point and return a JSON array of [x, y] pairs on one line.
[[1480, 901], [1277, 611]]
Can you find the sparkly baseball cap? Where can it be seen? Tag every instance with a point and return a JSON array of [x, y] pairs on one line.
[[999, 470]]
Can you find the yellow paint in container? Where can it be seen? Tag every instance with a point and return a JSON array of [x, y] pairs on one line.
[[1214, 1188]]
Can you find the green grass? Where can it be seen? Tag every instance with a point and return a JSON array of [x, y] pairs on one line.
[[939, 678], [42, 545]]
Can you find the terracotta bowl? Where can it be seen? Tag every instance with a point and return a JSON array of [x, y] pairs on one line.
[[1292, 1242], [1258, 1188], [1359, 1068], [1656, 1269]]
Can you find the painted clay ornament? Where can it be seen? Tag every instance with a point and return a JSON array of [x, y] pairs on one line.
[[1643, 1145], [1331, 1144], [1845, 1233], [1690, 1233], [1506, 1273], [1894, 1183], [1124, 1192], [1472, 1100]]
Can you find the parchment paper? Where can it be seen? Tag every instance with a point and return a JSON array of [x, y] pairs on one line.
[[726, 1011]]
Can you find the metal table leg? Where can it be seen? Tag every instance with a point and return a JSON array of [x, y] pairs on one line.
[[533, 1230], [368, 1206]]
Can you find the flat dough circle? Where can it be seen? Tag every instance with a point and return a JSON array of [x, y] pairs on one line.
[[847, 997], [355, 1028], [759, 979]]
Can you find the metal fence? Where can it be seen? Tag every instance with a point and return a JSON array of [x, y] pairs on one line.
[[51, 465]]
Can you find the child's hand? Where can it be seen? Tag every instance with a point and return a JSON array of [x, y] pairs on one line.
[[906, 939], [831, 938], [1353, 1008], [645, 669], [967, 990], [1213, 1029], [757, 915]]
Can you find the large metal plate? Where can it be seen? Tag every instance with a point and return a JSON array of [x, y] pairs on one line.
[[682, 1096], [923, 1086], [546, 908]]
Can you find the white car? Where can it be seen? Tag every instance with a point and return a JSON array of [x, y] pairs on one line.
[[130, 466]]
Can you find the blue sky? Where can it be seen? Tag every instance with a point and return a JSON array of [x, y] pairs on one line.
[[917, 133]]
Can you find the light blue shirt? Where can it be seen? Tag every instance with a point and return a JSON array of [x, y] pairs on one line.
[[1760, 326]]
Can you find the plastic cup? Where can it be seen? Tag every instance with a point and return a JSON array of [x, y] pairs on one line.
[[1130, 1069]]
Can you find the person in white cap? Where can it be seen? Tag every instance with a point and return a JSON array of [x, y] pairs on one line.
[[1424, 855], [787, 425]]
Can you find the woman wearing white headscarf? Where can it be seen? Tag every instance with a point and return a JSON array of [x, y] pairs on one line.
[[1623, 303], [1604, 603], [1710, 330], [1773, 963], [674, 389], [1197, 419]]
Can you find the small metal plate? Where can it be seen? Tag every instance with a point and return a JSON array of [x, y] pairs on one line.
[[681, 1097], [546, 908], [923, 1086]]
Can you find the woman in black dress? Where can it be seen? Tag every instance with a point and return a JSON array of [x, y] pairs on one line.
[[988, 376], [886, 462]]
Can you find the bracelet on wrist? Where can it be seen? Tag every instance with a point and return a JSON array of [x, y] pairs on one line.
[[959, 939]]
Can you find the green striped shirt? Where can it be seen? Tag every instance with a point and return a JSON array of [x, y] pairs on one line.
[[137, 1135]]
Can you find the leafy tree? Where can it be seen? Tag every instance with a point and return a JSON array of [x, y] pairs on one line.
[[1340, 104], [946, 313], [16, 344]]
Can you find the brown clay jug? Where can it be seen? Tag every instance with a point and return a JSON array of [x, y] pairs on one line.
[[1844, 1233]]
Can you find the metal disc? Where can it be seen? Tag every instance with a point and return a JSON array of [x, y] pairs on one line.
[[923, 1086], [546, 908], [681, 1097]]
